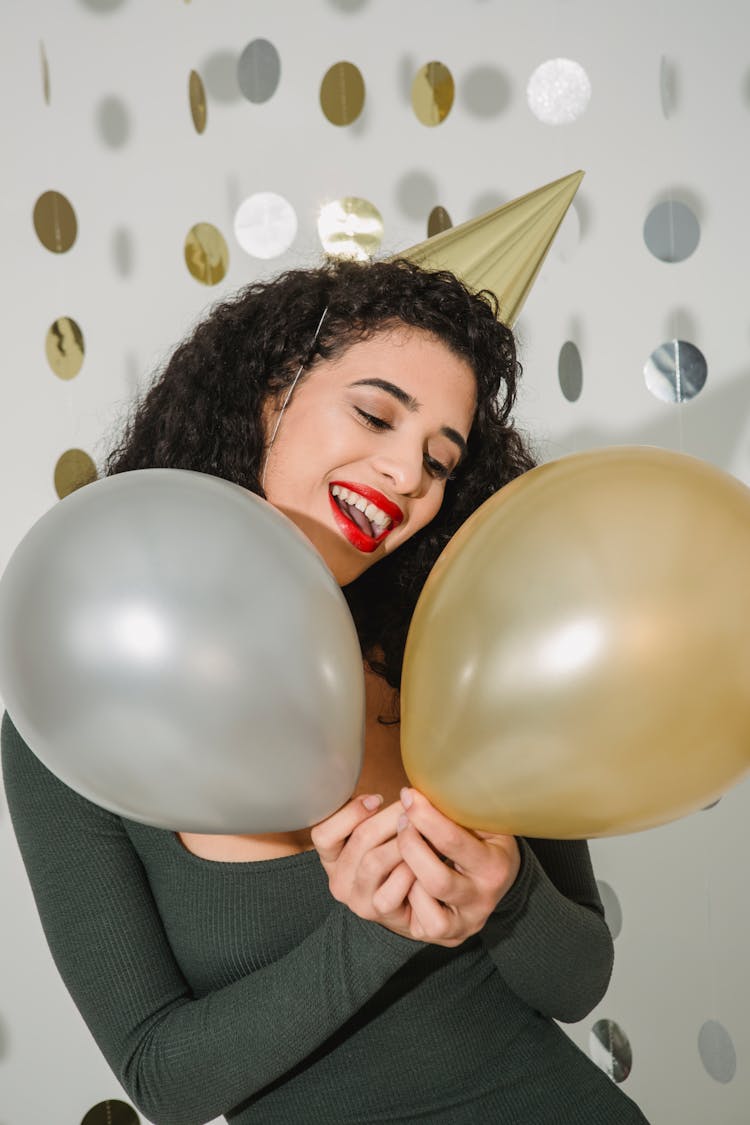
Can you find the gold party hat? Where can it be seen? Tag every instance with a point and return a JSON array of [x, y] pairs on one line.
[[502, 250]]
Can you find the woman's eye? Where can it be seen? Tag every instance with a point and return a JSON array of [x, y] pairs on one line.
[[438, 469], [371, 420]]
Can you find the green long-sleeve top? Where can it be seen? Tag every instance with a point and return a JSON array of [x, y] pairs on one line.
[[245, 989]]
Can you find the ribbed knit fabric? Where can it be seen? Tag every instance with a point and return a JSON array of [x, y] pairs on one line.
[[245, 989]]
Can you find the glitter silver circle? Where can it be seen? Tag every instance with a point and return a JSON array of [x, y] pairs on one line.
[[265, 225], [558, 91], [716, 1050], [676, 371]]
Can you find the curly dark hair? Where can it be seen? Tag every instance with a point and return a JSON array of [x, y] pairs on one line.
[[204, 410]]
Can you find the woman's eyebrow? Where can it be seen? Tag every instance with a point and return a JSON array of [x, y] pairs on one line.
[[398, 393], [411, 404]]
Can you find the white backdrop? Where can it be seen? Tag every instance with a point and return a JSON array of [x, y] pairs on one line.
[[117, 139]]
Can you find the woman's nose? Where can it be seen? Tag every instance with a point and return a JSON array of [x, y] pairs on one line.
[[404, 466]]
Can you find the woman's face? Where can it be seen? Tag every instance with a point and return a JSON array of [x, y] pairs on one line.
[[378, 428]]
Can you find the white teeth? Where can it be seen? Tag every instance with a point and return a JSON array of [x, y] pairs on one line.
[[373, 513]]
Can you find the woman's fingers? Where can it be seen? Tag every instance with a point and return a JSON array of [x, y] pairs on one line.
[[330, 835], [457, 844], [456, 889], [391, 894], [438, 877], [434, 921]]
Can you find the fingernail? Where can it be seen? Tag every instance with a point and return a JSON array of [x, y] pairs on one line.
[[406, 799], [372, 802], [403, 820]]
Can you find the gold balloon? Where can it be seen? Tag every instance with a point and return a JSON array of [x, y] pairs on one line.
[[578, 663]]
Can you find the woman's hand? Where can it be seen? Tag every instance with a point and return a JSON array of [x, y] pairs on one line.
[[386, 866], [359, 850], [451, 897]]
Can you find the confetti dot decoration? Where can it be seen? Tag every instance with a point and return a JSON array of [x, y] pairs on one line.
[[197, 97], [206, 253], [45, 74], [350, 228], [342, 93], [111, 1112], [265, 225], [259, 71], [73, 470], [717, 1052], [667, 84], [610, 1049], [113, 122], [570, 371], [64, 346], [558, 91], [438, 221], [675, 371], [102, 5], [671, 231], [612, 908], [55, 221], [432, 93]]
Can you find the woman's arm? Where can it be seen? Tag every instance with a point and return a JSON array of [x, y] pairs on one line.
[[534, 903], [548, 936], [181, 1060]]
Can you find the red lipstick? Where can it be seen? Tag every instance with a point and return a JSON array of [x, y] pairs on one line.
[[356, 536]]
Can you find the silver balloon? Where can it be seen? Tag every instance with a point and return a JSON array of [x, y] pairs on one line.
[[174, 649]]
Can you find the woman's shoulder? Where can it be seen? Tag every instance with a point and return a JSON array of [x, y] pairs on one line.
[[35, 795]]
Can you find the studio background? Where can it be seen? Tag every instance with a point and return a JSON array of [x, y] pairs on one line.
[[96, 107]]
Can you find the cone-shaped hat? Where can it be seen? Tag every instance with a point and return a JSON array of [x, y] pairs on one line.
[[502, 250]]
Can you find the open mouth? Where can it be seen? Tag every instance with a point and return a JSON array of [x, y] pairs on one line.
[[364, 523]]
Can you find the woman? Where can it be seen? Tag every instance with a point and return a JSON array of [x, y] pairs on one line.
[[387, 965]]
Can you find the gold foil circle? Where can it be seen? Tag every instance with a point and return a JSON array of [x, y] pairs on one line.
[[55, 221], [65, 347], [438, 221], [432, 93], [73, 470], [198, 108], [350, 228], [342, 93], [45, 73], [206, 253]]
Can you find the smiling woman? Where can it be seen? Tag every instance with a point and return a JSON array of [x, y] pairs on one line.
[[389, 448], [386, 964]]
